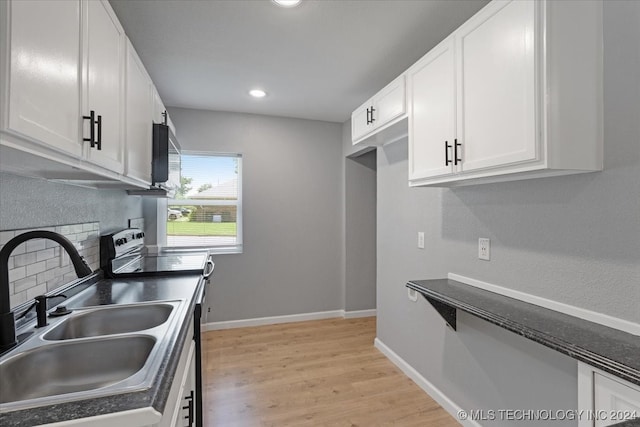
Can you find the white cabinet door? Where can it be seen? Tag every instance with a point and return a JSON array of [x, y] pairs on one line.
[[104, 69], [158, 107], [496, 81], [139, 118], [431, 83], [183, 414], [389, 103], [43, 72], [361, 121], [387, 107], [615, 400]]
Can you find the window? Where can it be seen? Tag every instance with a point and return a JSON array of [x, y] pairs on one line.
[[207, 209]]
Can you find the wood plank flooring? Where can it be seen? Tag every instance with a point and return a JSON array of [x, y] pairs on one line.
[[316, 373]]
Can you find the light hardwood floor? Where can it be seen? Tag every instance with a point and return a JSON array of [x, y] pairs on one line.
[[316, 373]]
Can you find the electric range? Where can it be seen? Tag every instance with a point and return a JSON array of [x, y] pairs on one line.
[[124, 255]]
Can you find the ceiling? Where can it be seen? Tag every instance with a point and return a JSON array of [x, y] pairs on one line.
[[319, 60]]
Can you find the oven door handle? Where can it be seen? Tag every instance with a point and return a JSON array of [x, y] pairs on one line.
[[209, 263]]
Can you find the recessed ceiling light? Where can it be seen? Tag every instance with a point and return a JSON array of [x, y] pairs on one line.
[[257, 93], [286, 3]]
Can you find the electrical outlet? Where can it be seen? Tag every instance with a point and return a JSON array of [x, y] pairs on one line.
[[484, 249], [412, 294], [420, 239]]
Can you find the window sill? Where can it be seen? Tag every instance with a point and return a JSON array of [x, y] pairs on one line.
[[210, 250]]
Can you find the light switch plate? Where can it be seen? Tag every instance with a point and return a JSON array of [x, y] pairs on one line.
[[420, 239], [484, 249]]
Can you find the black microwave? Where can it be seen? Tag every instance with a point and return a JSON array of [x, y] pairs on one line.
[[165, 166]]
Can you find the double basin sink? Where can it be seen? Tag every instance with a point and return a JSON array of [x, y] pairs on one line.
[[91, 352]]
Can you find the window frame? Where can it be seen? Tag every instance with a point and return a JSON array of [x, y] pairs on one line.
[[163, 204]]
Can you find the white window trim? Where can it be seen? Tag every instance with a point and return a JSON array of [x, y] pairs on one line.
[[163, 204]]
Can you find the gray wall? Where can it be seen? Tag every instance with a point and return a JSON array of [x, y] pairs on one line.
[[359, 224], [360, 232], [572, 239], [292, 213], [29, 203]]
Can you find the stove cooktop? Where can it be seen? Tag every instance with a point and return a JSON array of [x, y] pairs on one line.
[[123, 254], [165, 263]]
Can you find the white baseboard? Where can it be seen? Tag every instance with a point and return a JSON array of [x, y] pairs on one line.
[[449, 405], [274, 320], [359, 313], [591, 316]]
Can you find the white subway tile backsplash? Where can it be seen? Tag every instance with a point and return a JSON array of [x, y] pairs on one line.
[[24, 259], [45, 254], [17, 274], [20, 249], [39, 266], [17, 299], [35, 245], [24, 284], [53, 263], [42, 278], [35, 291]]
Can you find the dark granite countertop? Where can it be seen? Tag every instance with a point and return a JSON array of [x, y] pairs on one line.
[[609, 349], [122, 291]]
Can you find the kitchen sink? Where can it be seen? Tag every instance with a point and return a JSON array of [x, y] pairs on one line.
[[111, 320], [92, 352], [70, 367]]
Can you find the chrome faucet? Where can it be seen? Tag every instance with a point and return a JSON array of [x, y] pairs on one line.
[[7, 320]]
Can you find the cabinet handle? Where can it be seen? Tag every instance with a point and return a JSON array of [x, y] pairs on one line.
[[92, 131], [368, 120], [447, 162], [372, 111], [189, 407], [99, 141], [455, 152]]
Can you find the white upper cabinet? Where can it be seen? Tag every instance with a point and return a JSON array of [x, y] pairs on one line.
[[386, 108], [158, 107], [76, 104], [525, 81], [496, 97], [104, 43], [139, 118], [432, 113], [41, 67], [361, 121]]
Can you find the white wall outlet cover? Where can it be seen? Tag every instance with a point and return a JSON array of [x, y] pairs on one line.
[[412, 294], [484, 249], [420, 239]]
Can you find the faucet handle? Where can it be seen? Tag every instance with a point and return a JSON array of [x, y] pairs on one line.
[[26, 311]]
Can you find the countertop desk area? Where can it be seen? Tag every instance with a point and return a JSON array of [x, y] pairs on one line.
[[614, 351]]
